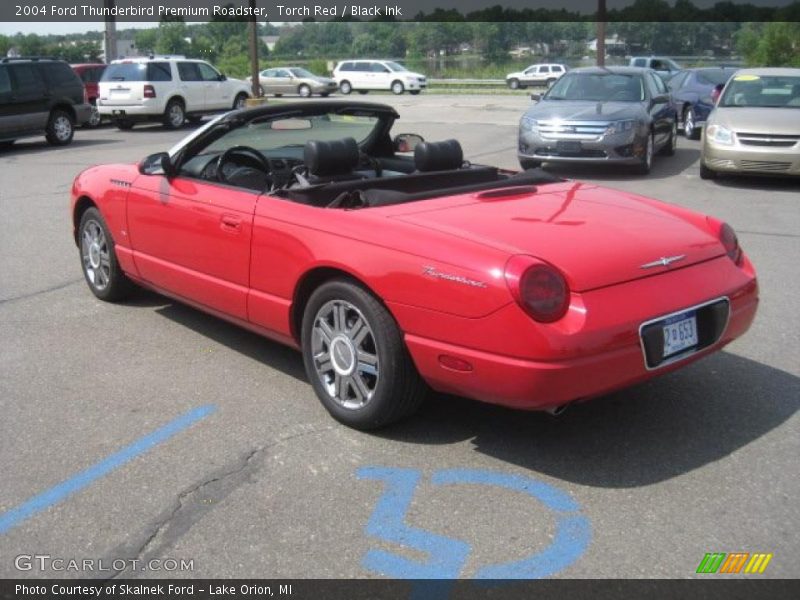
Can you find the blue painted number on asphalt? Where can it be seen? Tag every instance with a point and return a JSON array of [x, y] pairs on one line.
[[447, 556]]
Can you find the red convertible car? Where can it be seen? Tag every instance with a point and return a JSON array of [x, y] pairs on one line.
[[396, 266]]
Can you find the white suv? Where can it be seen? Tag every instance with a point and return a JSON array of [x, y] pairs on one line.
[[535, 75], [365, 75], [170, 89]]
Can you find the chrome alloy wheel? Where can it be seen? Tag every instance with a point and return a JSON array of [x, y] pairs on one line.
[[95, 255], [62, 127], [345, 355]]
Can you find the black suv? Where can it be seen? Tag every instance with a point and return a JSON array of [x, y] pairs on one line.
[[40, 96]]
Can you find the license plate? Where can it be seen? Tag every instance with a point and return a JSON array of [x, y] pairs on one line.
[[680, 333], [569, 147], [117, 112]]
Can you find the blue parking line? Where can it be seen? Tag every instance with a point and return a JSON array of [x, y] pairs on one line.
[[56, 494]]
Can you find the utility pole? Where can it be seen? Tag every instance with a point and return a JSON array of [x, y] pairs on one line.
[[110, 36], [253, 29], [601, 33]]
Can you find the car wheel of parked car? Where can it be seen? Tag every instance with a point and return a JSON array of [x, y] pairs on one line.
[[60, 128], [174, 115], [194, 119], [355, 357], [690, 129], [646, 161], [705, 172], [99, 259], [414, 92], [240, 102], [672, 143], [261, 91], [345, 87], [513, 84], [304, 91], [527, 163], [94, 118], [123, 124], [398, 87], [363, 92], [324, 94]]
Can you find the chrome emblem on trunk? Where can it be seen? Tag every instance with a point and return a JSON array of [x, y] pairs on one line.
[[664, 261]]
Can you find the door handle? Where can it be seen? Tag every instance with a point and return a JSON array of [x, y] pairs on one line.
[[230, 223]]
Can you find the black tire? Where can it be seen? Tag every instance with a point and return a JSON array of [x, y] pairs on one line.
[[304, 91], [397, 88], [363, 92], [646, 161], [414, 92], [513, 84], [194, 119], [174, 114], [60, 128], [124, 125], [398, 389], [345, 87], [705, 172], [324, 94], [527, 163], [100, 267], [691, 131], [240, 101], [672, 143]]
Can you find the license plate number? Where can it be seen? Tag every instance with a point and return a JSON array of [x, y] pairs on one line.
[[680, 333]]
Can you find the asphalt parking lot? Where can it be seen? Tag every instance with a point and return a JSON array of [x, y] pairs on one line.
[[148, 430]]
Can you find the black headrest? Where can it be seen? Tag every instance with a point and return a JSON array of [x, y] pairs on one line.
[[336, 157], [438, 156]]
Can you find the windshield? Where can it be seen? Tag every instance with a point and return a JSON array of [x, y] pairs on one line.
[[300, 72], [272, 134], [773, 91], [714, 76], [598, 87], [395, 66]]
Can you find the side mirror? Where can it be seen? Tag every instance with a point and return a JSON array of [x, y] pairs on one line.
[[157, 164], [661, 99], [536, 97], [406, 142], [223, 77]]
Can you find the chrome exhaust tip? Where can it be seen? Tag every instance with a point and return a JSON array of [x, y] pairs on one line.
[[557, 410]]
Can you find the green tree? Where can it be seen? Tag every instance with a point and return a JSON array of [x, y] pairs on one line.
[[770, 44], [172, 38]]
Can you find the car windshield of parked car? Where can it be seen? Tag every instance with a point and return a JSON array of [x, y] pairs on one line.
[[270, 135], [714, 76], [397, 68], [300, 72], [598, 87], [762, 92]]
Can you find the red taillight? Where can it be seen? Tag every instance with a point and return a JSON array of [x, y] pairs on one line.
[[539, 288], [731, 243], [149, 91]]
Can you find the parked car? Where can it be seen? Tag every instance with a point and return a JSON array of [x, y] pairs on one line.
[[616, 115], [294, 80], [755, 126], [365, 75], [694, 93], [170, 89], [90, 74], [539, 74], [394, 272], [662, 65], [40, 96]]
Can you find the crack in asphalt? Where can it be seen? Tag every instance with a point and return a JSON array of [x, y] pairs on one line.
[[182, 516], [53, 288]]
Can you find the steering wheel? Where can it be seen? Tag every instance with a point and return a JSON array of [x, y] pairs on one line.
[[226, 156]]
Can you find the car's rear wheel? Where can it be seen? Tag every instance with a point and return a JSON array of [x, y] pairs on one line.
[[345, 87], [414, 92], [646, 160], [123, 124], [398, 88], [527, 163], [94, 118], [240, 102], [355, 357], [513, 84], [60, 128], [705, 172], [690, 129], [304, 91], [99, 259], [261, 92], [174, 115]]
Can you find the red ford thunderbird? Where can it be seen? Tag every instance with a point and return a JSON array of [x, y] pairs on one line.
[[396, 266]]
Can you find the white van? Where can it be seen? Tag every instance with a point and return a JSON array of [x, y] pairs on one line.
[[365, 75]]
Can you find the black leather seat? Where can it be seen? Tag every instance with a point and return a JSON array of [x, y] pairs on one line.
[[438, 156], [331, 161]]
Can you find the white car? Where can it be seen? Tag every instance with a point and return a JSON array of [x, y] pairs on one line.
[[170, 89], [539, 74], [365, 75]]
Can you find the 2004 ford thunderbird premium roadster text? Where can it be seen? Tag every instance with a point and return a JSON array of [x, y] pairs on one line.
[[393, 272]]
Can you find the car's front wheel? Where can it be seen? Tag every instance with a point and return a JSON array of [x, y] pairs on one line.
[[672, 143], [646, 160], [304, 91], [690, 129], [527, 163], [345, 87], [705, 172], [60, 128], [240, 102], [99, 259], [355, 357]]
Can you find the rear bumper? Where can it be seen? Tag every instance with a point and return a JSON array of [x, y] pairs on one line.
[[131, 112], [602, 355]]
